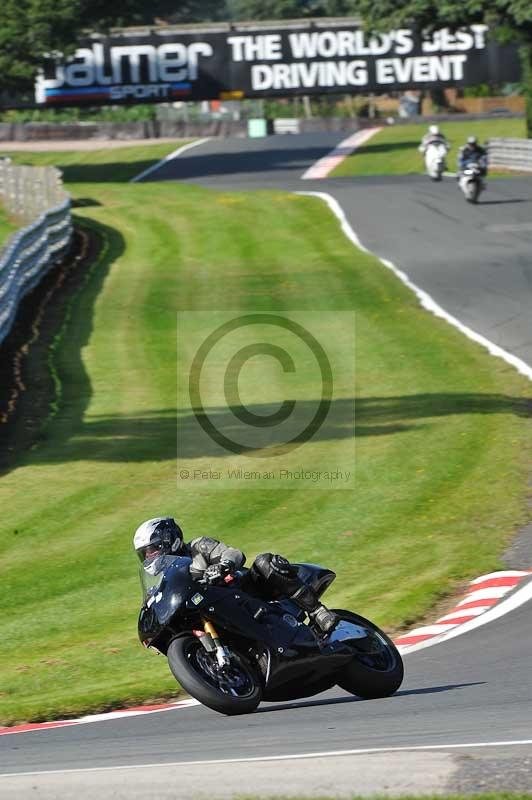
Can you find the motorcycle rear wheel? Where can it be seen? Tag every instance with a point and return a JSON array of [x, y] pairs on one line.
[[375, 674], [236, 692]]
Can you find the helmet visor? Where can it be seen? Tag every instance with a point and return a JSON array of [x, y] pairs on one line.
[[150, 551]]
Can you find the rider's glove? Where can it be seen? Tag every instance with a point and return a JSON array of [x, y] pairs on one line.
[[217, 572]]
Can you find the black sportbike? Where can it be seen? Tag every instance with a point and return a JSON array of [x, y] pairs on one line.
[[230, 650]]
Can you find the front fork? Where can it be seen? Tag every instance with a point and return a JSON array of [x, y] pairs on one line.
[[212, 643]]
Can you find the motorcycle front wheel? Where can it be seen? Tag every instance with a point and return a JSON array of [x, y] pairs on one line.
[[376, 669], [231, 690], [473, 195]]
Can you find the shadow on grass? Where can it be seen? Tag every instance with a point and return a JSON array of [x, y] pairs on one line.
[[108, 172], [84, 202], [162, 435], [63, 333], [76, 390]]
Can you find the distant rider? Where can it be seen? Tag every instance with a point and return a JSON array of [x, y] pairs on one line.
[[270, 577], [433, 136], [473, 152]]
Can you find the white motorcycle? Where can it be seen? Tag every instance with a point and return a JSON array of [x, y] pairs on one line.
[[435, 154], [470, 181]]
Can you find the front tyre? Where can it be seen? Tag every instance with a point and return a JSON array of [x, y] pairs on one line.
[[376, 669], [233, 690], [472, 191]]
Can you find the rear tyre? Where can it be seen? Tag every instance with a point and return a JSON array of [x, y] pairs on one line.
[[233, 691], [376, 669]]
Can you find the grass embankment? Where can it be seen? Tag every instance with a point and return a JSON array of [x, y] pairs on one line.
[[394, 151], [443, 441]]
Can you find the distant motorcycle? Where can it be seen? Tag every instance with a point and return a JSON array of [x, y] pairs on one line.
[[435, 155], [230, 650], [470, 180]]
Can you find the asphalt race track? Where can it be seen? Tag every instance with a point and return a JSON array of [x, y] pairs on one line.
[[474, 689], [464, 713]]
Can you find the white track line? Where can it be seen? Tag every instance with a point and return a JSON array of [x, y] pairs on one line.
[[167, 158], [325, 165], [292, 757], [425, 300]]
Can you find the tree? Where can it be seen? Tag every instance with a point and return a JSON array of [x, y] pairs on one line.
[[287, 9], [186, 12], [511, 20], [31, 28]]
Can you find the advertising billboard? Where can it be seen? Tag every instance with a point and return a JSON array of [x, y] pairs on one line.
[[168, 64]]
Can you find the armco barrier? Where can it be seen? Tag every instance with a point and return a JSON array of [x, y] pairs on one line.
[[33, 250], [515, 154], [183, 129]]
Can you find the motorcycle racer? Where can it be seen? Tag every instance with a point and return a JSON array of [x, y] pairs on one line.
[[473, 151], [270, 576], [433, 136]]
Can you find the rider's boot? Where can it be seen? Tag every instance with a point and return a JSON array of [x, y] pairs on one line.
[[323, 618]]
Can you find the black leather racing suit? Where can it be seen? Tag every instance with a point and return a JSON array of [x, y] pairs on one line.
[[270, 576], [205, 552], [473, 152]]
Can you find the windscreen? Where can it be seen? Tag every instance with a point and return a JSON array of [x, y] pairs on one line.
[[152, 570]]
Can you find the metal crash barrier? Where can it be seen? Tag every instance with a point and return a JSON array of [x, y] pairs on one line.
[[514, 154], [35, 196]]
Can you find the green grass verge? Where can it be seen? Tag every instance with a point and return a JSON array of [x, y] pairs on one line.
[[443, 441], [394, 151], [108, 164]]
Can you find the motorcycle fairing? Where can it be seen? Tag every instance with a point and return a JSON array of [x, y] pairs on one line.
[[298, 662]]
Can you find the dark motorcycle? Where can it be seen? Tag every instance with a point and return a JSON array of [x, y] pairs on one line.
[[230, 650]]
